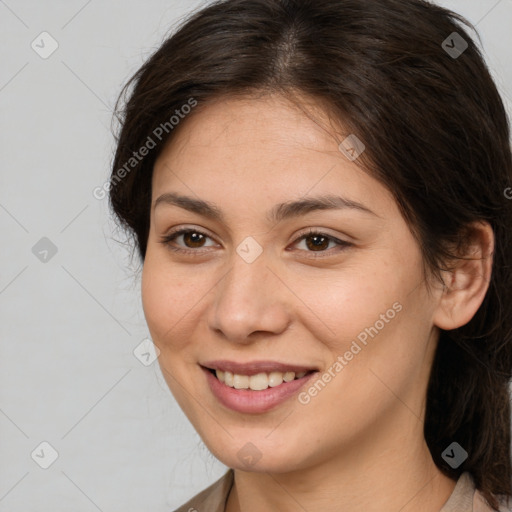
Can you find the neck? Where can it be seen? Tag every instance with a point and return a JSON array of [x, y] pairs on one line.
[[378, 475]]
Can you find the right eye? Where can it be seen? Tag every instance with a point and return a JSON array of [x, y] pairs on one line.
[[190, 236]]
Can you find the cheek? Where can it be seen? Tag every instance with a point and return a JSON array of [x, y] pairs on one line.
[[373, 316], [174, 298], [352, 301], [383, 339], [166, 300]]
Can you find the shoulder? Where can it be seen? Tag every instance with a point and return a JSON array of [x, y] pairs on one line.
[[466, 498], [481, 505], [213, 498]]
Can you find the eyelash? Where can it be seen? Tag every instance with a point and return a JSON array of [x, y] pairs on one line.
[[167, 239]]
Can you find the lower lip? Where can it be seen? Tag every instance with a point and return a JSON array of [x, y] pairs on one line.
[[253, 402]]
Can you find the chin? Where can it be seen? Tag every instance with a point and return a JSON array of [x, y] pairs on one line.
[[259, 456]]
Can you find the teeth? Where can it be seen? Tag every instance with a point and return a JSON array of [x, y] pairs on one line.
[[257, 382], [275, 379], [289, 376], [228, 379], [240, 381]]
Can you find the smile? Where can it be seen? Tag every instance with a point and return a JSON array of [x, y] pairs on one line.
[[256, 387], [258, 382]]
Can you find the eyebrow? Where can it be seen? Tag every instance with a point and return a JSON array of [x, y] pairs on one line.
[[278, 213]]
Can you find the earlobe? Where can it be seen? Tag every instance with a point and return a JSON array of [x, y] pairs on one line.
[[467, 282]]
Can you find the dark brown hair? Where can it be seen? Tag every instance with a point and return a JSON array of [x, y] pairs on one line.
[[436, 134]]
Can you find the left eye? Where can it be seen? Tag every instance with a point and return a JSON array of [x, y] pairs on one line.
[[319, 242], [315, 241]]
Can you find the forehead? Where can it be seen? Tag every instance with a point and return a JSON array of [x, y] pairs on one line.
[[254, 148], [270, 123]]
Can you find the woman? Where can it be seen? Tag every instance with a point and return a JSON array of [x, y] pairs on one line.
[[317, 191]]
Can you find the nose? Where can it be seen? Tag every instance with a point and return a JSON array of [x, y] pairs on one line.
[[250, 299]]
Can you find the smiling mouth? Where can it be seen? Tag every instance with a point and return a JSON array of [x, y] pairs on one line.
[[258, 381]]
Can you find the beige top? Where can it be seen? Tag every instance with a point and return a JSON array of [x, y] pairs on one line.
[[464, 498]]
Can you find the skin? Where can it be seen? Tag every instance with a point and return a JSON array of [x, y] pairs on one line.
[[358, 445]]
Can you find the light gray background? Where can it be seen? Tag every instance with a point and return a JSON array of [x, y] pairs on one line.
[[68, 375]]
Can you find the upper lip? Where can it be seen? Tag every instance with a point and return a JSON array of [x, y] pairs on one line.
[[254, 367]]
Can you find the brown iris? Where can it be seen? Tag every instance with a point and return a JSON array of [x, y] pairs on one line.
[[317, 242], [194, 237]]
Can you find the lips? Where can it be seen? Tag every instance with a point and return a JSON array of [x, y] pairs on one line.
[[255, 387], [255, 367], [248, 401]]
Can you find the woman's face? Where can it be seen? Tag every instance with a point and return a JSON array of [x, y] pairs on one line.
[[244, 285]]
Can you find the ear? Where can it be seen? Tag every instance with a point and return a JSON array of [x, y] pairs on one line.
[[467, 282]]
